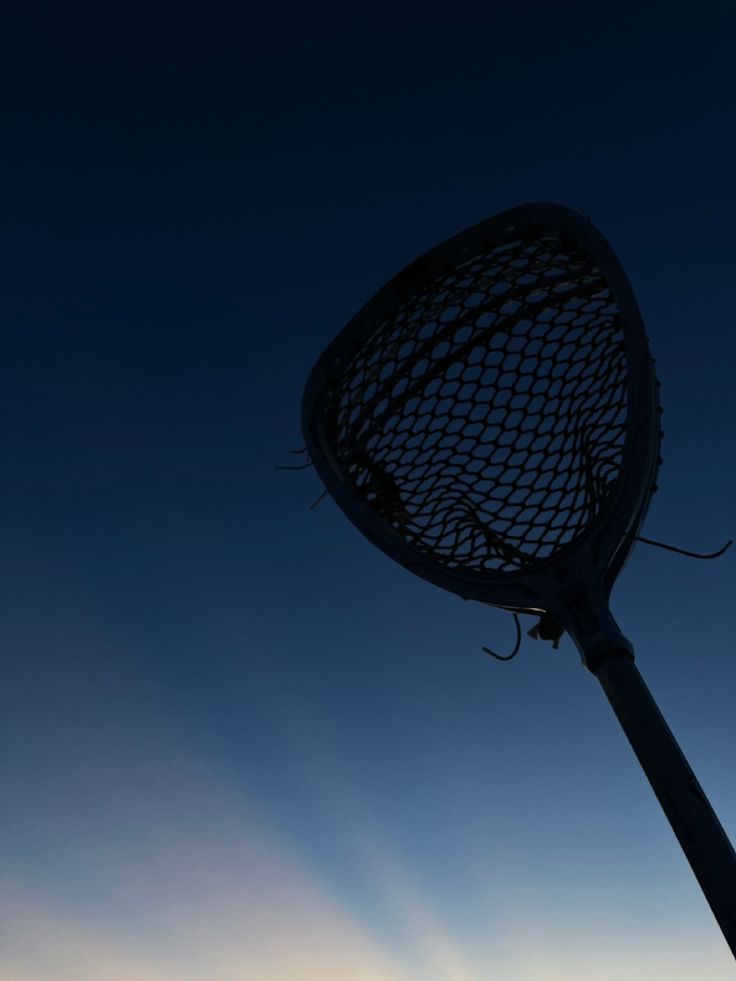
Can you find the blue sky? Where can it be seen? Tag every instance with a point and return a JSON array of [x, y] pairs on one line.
[[238, 742]]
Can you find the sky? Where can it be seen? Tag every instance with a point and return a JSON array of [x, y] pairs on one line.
[[238, 742]]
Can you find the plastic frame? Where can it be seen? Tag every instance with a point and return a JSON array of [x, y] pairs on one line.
[[574, 584]]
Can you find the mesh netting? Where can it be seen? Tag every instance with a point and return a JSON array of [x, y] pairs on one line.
[[485, 419]]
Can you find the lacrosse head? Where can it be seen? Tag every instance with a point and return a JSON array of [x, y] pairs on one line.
[[490, 419]]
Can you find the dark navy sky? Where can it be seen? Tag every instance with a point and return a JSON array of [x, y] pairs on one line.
[[238, 743]]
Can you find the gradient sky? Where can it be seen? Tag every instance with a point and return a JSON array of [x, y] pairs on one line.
[[237, 741]]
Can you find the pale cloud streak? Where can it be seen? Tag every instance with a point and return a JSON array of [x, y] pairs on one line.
[[186, 881]]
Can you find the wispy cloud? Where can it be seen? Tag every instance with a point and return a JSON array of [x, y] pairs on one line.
[[169, 874], [188, 885]]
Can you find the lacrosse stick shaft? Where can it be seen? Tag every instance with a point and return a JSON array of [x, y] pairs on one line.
[[693, 820]]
